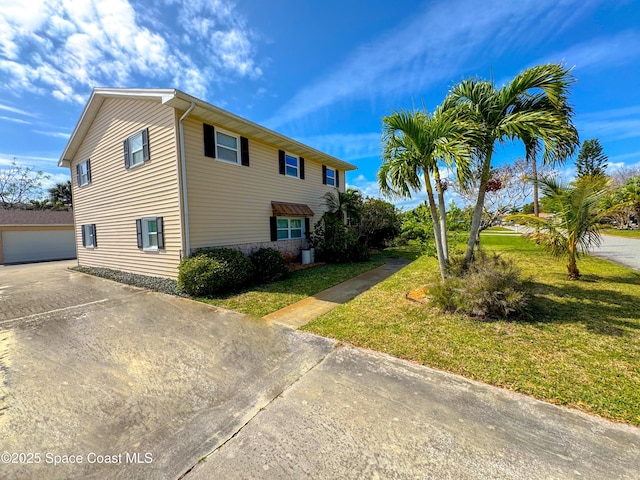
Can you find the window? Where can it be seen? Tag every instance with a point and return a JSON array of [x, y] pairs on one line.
[[83, 172], [331, 177], [150, 233], [291, 165], [89, 236], [227, 147], [136, 149], [290, 228]]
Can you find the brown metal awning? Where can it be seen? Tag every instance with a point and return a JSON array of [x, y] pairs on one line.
[[284, 209]]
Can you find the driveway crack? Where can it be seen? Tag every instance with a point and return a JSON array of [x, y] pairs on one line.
[[258, 411]]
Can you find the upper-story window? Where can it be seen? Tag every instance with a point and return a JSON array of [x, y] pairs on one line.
[[330, 176], [227, 147], [136, 149], [83, 172], [291, 165]]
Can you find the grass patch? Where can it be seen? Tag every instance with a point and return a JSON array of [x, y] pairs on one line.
[[264, 299], [579, 347], [499, 230], [622, 233]]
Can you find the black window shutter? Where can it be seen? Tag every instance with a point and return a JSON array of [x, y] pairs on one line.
[[337, 178], [302, 168], [244, 151], [89, 171], [209, 140], [95, 238], [145, 145], [160, 226], [274, 228], [127, 160], [307, 228], [281, 161], [139, 231], [324, 174], [78, 174], [84, 236]]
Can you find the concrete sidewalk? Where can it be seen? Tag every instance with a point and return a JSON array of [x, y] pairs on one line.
[[302, 312]]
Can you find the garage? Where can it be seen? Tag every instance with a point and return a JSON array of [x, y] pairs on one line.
[[36, 235]]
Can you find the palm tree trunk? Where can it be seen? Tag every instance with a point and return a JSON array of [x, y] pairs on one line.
[[572, 267], [436, 226], [477, 212], [534, 171], [443, 215]]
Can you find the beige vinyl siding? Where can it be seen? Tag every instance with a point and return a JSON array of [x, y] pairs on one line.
[[116, 196], [231, 204]]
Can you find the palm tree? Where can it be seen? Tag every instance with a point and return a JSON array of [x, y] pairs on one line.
[[345, 205], [413, 143], [532, 108], [575, 226], [630, 192], [60, 193]]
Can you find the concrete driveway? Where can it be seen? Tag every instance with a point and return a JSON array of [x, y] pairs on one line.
[[101, 372], [134, 385]]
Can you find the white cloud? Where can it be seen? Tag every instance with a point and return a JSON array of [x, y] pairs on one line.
[[8, 108], [367, 187], [66, 47], [348, 147], [55, 178], [601, 52], [15, 120], [54, 134], [436, 44], [614, 124]]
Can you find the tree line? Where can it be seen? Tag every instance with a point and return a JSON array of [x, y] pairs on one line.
[[22, 187]]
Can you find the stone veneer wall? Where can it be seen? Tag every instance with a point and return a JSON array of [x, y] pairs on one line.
[[290, 248]]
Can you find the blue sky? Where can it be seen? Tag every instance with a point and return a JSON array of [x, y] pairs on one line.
[[324, 73]]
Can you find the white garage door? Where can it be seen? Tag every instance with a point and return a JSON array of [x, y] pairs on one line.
[[38, 245]]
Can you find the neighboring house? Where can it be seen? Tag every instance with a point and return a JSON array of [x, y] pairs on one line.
[[157, 174], [36, 235]]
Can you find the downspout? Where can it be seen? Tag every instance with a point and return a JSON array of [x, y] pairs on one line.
[[183, 174]]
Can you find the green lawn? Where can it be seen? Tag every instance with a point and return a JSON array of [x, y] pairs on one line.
[[264, 299], [580, 347], [622, 233]]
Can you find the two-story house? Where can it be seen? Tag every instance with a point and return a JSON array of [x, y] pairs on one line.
[[157, 173]]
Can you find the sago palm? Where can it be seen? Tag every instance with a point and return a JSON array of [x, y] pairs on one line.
[[575, 227], [413, 144], [532, 108]]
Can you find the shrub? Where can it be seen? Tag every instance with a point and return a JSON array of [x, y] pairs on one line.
[[268, 265], [200, 276], [491, 288], [337, 243], [238, 269]]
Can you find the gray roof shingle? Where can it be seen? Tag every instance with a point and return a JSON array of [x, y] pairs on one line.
[[36, 217]]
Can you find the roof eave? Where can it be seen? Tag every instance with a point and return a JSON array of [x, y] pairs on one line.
[[181, 101]]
